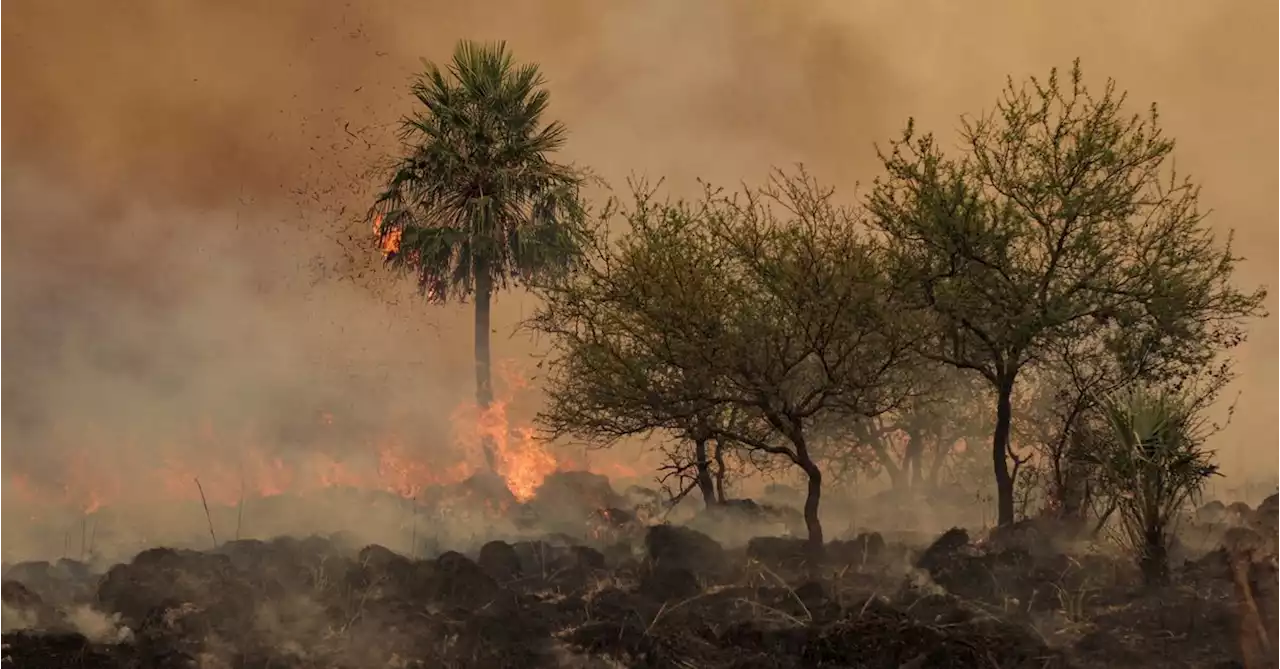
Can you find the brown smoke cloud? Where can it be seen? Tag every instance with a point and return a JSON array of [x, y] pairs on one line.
[[182, 177]]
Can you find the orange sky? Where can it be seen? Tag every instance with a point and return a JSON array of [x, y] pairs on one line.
[[180, 175]]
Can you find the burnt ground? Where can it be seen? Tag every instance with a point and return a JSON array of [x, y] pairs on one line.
[[607, 589], [662, 596]]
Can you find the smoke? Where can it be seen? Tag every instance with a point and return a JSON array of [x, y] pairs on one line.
[[97, 626], [184, 179]]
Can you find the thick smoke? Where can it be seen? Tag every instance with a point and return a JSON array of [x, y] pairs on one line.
[[184, 180]]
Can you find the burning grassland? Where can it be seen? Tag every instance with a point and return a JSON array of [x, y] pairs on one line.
[[110, 496], [391, 551]]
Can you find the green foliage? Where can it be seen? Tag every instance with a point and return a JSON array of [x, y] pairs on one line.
[[475, 196], [769, 306], [1062, 228], [701, 307], [1061, 217], [621, 363], [1151, 467]]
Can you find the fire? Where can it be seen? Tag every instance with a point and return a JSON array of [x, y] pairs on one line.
[[406, 476], [388, 242], [103, 469], [520, 458]]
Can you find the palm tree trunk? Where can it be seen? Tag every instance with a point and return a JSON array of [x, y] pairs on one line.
[[484, 374]]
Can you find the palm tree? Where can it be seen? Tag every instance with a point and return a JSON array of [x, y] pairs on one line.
[[473, 203], [1152, 464]]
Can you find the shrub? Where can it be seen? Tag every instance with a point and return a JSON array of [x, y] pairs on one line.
[[1152, 464]]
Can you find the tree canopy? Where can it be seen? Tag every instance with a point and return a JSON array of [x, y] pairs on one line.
[[475, 197], [771, 303], [1062, 221]]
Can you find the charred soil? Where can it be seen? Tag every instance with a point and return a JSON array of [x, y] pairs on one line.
[[662, 596]]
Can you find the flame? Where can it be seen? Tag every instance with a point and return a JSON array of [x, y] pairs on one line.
[[101, 469], [388, 242], [520, 458]]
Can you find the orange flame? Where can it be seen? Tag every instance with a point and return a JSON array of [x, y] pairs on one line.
[[520, 458], [107, 469], [389, 242]]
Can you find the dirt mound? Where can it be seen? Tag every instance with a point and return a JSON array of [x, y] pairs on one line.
[[457, 580], [293, 603], [865, 548], [64, 580], [580, 491], [499, 560], [683, 548], [944, 550], [28, 607], [188, 593], [779, 552], [666, 584]]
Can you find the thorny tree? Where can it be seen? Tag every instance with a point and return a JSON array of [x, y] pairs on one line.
[[475, 202], [772, 303], [1064, 215], [615, 372]]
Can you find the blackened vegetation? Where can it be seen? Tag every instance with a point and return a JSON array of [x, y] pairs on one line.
[[657, 596], [315, 602]]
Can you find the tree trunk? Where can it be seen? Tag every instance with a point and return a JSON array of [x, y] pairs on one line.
[[484, 374], [1000, 451], [1256, 642], [720, 497], [911, 460], [939, 460], [1154, 561], [875, 440], [705, 483], [897, 478], [1070, 476], [811, 502], [1074, 493], [814, 496]]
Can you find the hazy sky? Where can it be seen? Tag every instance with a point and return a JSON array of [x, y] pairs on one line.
[[180, 177]]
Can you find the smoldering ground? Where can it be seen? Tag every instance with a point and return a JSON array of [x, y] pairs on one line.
[[183, 182]]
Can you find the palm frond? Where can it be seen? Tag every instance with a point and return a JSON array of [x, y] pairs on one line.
[[1152, 464], [476, 171]]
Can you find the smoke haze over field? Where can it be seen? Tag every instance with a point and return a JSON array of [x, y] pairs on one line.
[[182, 178]]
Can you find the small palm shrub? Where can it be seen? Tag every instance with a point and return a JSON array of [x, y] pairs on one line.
[[1152, 464]]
